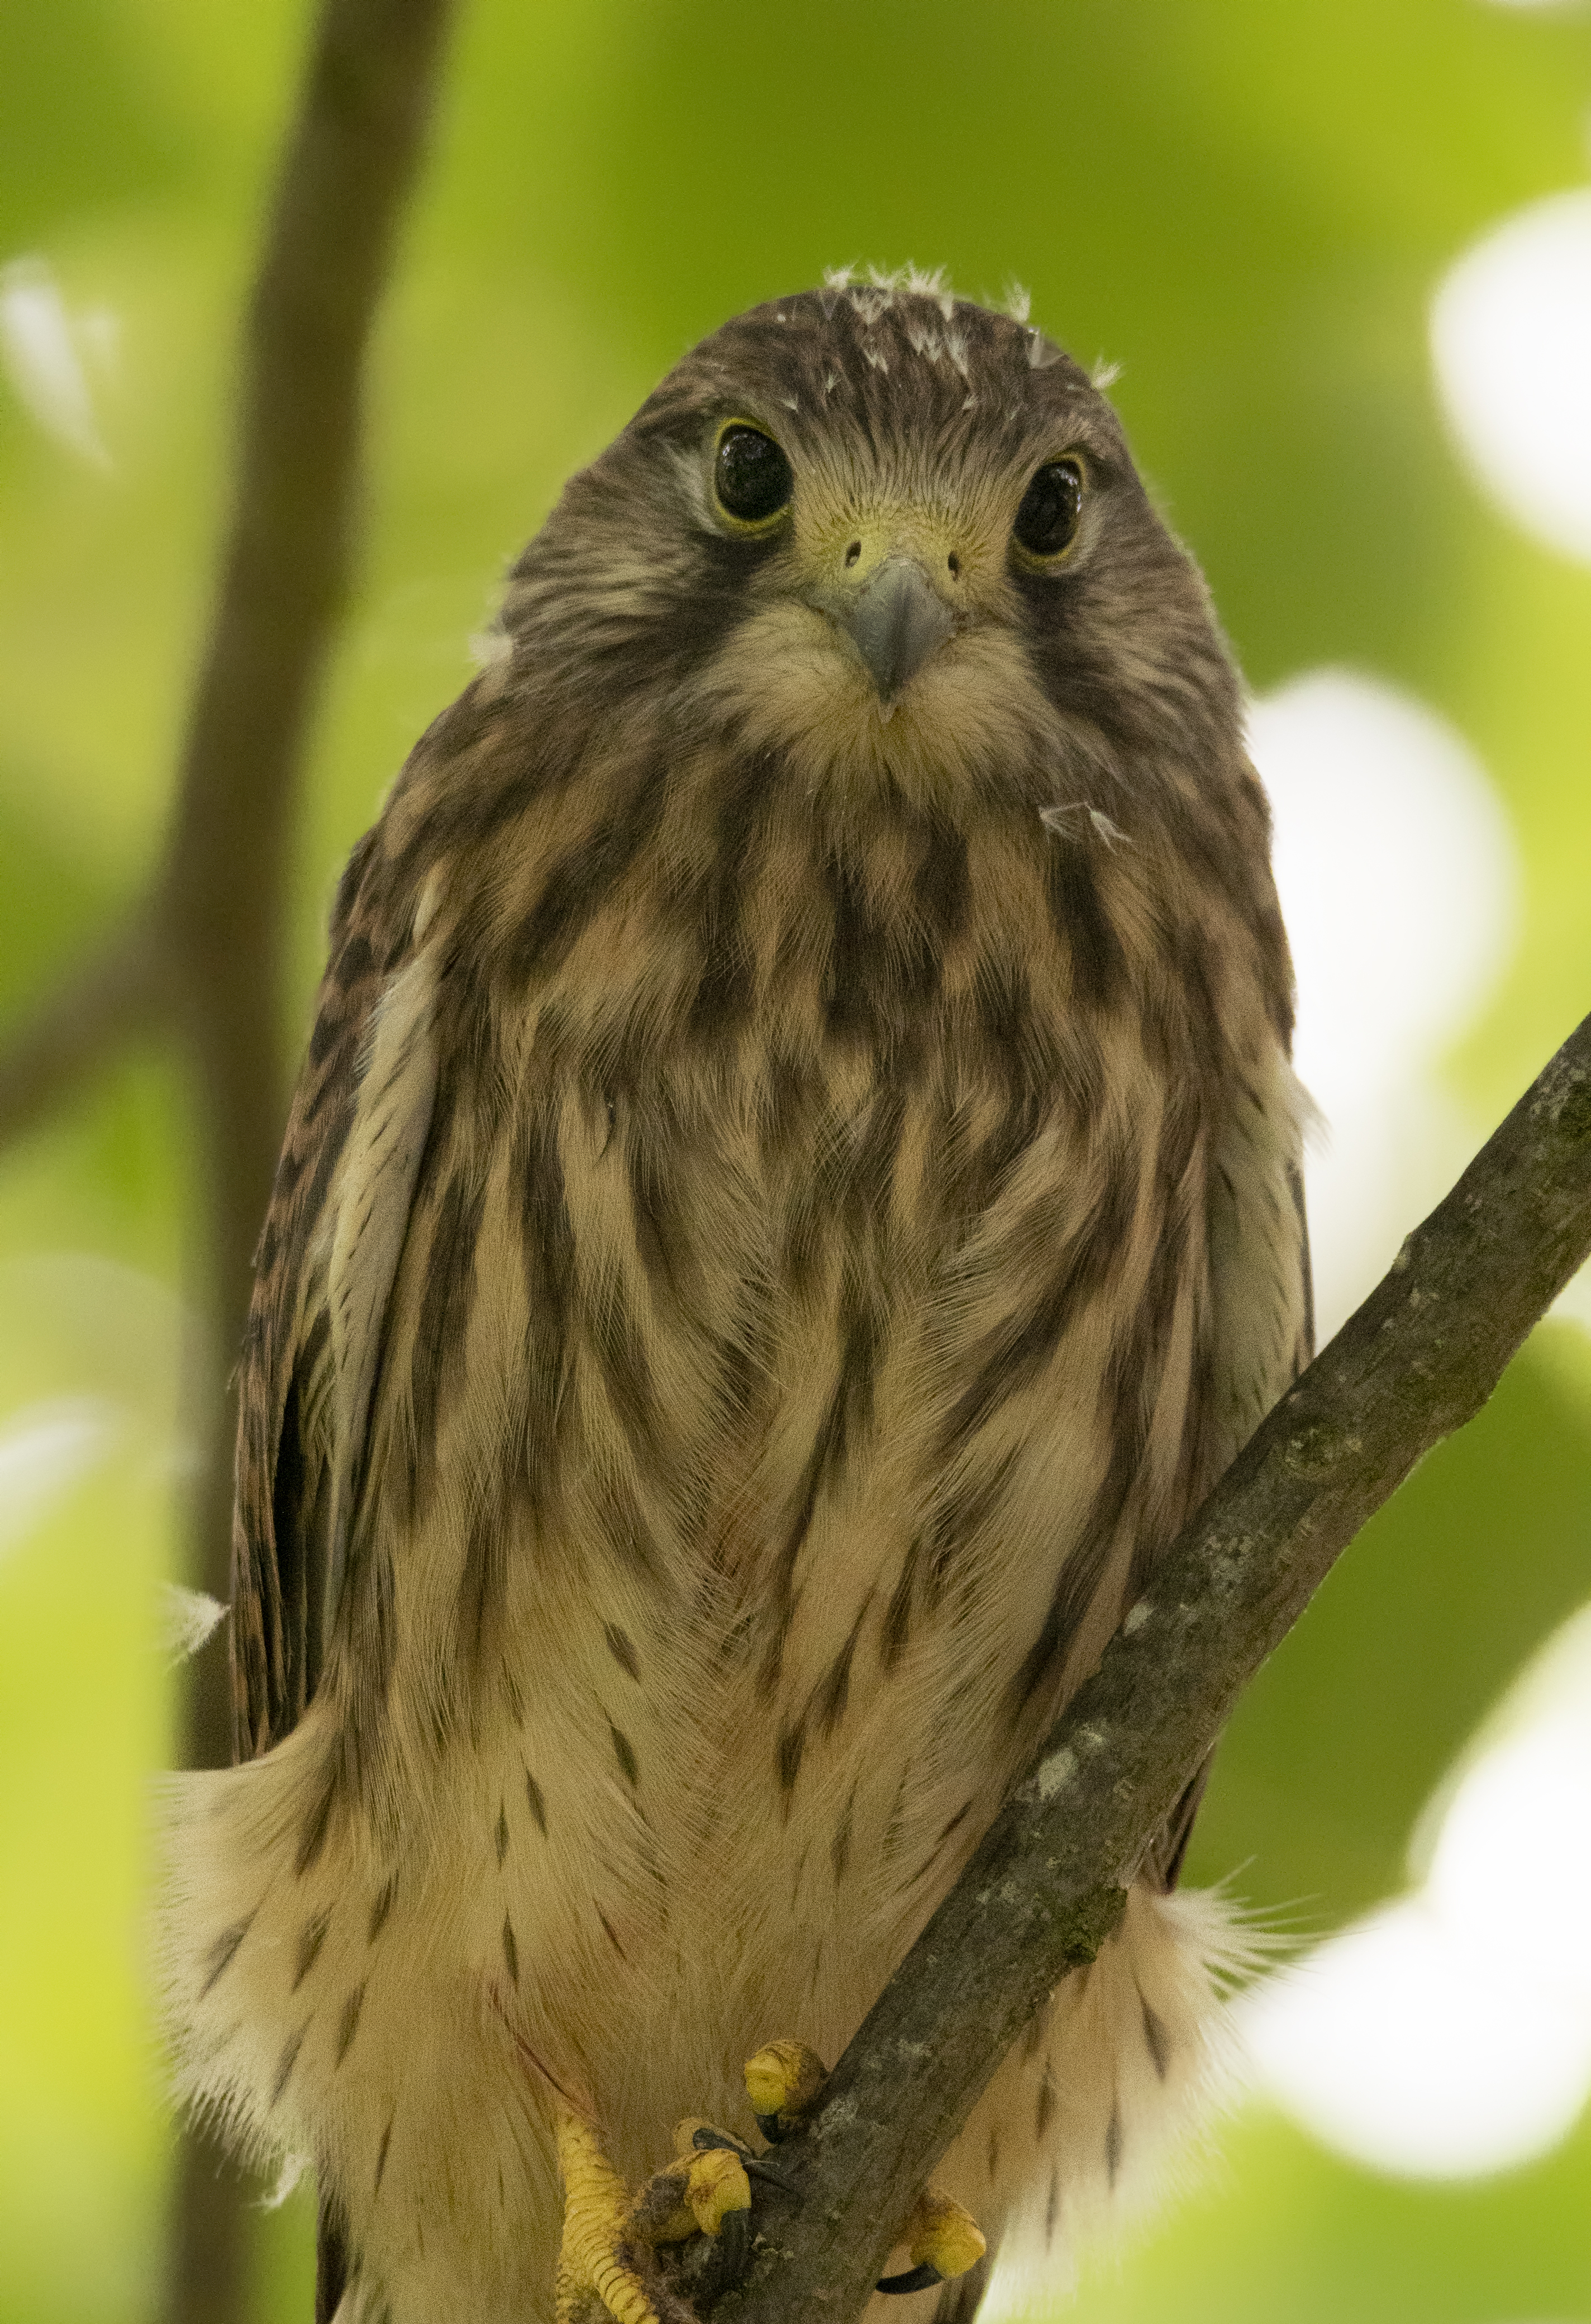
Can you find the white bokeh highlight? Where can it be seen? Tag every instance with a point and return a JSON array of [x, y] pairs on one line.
[[1448, 2035], [1511, 339], [1399, 883], [118, 1337], [46, 1449], [43, 352]]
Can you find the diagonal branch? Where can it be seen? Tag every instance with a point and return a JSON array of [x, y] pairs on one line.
[[1045, 1887]]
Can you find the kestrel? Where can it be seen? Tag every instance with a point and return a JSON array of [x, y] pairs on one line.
[[792, 1198]]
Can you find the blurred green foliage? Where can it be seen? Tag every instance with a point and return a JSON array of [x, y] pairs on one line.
[[1247, 205]]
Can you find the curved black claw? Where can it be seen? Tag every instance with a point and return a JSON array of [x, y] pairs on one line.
[[774, 2127], [756, 2166], [911, 2279], [734, 2249]]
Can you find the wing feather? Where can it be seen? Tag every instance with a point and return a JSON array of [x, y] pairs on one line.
[[334, 1233], [381, 1163], [1262, 1321]]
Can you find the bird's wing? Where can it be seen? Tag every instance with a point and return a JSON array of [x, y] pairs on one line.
[[1263, 1320], [334, 1232]]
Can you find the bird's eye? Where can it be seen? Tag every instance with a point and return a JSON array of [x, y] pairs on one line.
[[751, 477], [1047, 519]]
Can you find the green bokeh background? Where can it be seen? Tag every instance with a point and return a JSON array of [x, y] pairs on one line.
[[1246, 204]]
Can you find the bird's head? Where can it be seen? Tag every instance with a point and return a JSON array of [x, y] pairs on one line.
[[889, 534]]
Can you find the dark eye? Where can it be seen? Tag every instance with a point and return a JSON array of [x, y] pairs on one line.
[[751, 476], [1050, 507]]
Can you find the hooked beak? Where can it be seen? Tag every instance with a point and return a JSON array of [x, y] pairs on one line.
[[895, 622]]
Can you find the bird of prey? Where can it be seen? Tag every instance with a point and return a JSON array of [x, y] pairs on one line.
[[792, 1198]]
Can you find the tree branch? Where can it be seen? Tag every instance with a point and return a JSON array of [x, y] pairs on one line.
[[344, 177], [1045, 1886], [347, 168], [202, 952], [103, 999], [205, 942]]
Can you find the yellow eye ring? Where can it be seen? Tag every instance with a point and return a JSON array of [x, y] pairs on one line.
[[753, 482]]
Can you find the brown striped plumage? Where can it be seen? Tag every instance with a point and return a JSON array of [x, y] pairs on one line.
[[790, 1200]]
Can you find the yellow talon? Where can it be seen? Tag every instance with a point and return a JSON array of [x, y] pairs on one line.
[[698, 2192], [784, 2082], [715, 2185], [944, 2240], [940, 2234], [596, 2209]]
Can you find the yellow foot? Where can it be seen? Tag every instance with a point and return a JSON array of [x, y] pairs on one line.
[[607, 2232], [784, 2082], [943, 2241], [593, 2264], [704, 2190]]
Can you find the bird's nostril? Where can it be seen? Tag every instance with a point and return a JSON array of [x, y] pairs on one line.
[[955, 562], [853, 553]]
